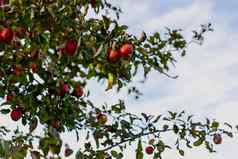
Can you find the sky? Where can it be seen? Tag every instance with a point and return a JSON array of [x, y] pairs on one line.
[[208, 79]]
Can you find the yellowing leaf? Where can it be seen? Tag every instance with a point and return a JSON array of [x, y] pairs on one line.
[[110, 80]]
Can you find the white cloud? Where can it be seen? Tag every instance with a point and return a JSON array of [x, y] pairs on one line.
[[189, 16]]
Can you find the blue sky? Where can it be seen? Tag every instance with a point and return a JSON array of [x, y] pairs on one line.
[[208, 77]]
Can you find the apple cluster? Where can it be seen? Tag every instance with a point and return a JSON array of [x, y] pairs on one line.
[[126, 51]]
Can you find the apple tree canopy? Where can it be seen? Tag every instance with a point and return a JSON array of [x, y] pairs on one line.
[[50, 49]]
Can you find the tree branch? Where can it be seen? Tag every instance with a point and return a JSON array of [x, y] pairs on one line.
[[136, 137]]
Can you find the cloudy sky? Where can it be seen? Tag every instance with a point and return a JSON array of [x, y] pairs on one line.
[[208, 79]]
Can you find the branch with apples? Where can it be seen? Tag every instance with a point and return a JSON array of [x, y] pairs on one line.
[[50, 50]]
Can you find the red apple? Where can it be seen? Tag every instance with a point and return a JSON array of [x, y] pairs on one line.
[[126, 50], [16, 114], [34, 67], [78, 91], [71, 47], [102, 118], [9, 98], [6, 35], [149, 150], [17, 70], [217, 139], [113, 55], [63, 89]]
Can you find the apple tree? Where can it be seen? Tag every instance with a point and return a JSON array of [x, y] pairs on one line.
[[51, 49]]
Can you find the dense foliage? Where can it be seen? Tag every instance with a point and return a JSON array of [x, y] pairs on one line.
[[50, 49]]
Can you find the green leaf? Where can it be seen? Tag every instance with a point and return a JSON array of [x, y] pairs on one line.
[[157, 119], [139, 151], [114, 153], [172, 114], [33, 124], [229, 134], [100, 49], [5, 111], [227, 124], [198, 142], [165, 127], [215, 125], [175, 129], [181, 152]]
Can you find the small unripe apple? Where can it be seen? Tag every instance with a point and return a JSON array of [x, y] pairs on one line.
[[102, 118], [16, 114], [126, 50], [71, 47], [6, 35], [113, 55], [217, 139], [78, 91], [149, 150], [33, 67]]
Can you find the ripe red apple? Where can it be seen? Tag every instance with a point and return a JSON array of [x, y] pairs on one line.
[[78, 91], [149, 150], [71, 47], [126, 50], [217, 139], [6, 35], [34, 67], [113, 55], [102, 118], [64, 88], [9, 98], [16, 114]]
